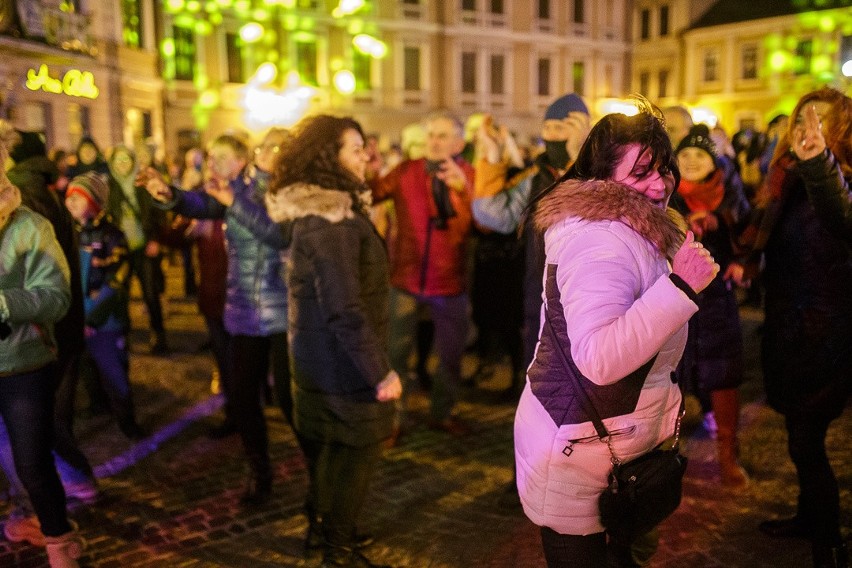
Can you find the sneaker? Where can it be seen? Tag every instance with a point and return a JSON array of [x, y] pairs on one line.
[[24, 529], [86, 491]]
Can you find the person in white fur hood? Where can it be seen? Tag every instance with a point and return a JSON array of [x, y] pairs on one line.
[[620, 284], [34, 294]]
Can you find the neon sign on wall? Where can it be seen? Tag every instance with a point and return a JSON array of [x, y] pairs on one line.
[[74, 83]]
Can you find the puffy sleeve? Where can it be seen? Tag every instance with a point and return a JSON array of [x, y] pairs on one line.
[[614, 324]]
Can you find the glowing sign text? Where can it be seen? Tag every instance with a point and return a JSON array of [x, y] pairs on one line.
[[74, 83]]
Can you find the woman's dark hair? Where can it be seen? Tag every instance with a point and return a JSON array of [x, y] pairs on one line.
[[608, 141], [311, 155]]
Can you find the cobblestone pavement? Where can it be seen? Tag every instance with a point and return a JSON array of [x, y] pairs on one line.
[[172, 500]]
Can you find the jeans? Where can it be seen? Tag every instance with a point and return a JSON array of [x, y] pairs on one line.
[[108, 349], [26, 406], [819, 498], [150, 275], [250, 358], [450, 315], [339, 478]]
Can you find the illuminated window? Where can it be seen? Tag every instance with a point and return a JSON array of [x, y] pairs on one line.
[[711, 66], [184, 53], [498, 64], [664, 21], [468, 72], [579, 11], [644, 82], [362, 66], [645, 24], [544, 76], [578, 74], [749, 62], [236, 69], [306, 61], [663, 83], [131, 22], [804, 53], [544, 9], [411, 57]]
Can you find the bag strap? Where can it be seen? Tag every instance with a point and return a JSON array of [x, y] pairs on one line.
[[590, 409]]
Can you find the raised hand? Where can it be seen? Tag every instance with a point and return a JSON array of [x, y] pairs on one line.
[[808, 140], [153, 182], [694, 264]]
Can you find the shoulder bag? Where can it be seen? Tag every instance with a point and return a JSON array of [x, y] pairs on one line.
[[642, 492]]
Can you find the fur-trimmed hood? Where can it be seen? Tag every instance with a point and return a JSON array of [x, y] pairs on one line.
[[601, 200], [303, 199]]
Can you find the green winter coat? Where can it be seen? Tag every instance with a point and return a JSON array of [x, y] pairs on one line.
[[35, 286]]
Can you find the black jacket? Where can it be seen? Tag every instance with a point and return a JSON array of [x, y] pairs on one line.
[[338, 314], [807, 341]]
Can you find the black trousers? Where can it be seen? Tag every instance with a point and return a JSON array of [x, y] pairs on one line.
[[68, 371], [150, 275], [339, 477], [819, 498], [250, 359], [593, 551]]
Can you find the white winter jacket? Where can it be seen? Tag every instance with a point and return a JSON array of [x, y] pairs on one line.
[[606, 248]]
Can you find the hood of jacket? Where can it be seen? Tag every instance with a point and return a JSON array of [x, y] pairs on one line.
[[303, 199], [604, 200]]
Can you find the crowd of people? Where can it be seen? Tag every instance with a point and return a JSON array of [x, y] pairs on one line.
[[328, 271]]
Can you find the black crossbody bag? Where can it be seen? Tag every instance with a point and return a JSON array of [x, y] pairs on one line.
[[642, 492]]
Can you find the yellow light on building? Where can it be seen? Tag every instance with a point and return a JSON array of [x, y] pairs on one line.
[[265, 74], [251, 32], [369, 45], [347, 7], [344, 82], [704, 115], [618, 106], [265, 106]]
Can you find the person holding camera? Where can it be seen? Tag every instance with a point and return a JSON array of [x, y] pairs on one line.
[[432, 198]]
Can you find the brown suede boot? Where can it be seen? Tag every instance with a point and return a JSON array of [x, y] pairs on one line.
[[63, 551], [726, 407]]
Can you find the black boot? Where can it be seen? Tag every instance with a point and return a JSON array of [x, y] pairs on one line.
[[794, 527], [830, 556], [343, 557], [259, 489]]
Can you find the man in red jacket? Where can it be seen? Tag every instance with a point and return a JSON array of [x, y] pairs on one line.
[[432, 198]]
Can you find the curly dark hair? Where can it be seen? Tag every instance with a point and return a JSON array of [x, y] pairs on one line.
[[608, 141], [311, 155]]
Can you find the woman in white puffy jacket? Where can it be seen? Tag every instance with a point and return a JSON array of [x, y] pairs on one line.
[[620, 284]]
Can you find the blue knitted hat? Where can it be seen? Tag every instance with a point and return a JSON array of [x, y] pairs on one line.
[[565, 104]]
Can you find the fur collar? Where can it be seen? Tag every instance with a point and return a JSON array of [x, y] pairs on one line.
[[600, 200], [302, 199]]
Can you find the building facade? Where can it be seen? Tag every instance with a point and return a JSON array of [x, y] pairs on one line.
[[251, 64], [739, 63], [66, 71]]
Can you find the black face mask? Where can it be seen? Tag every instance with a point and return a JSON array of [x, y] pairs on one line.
[[557, 153]]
